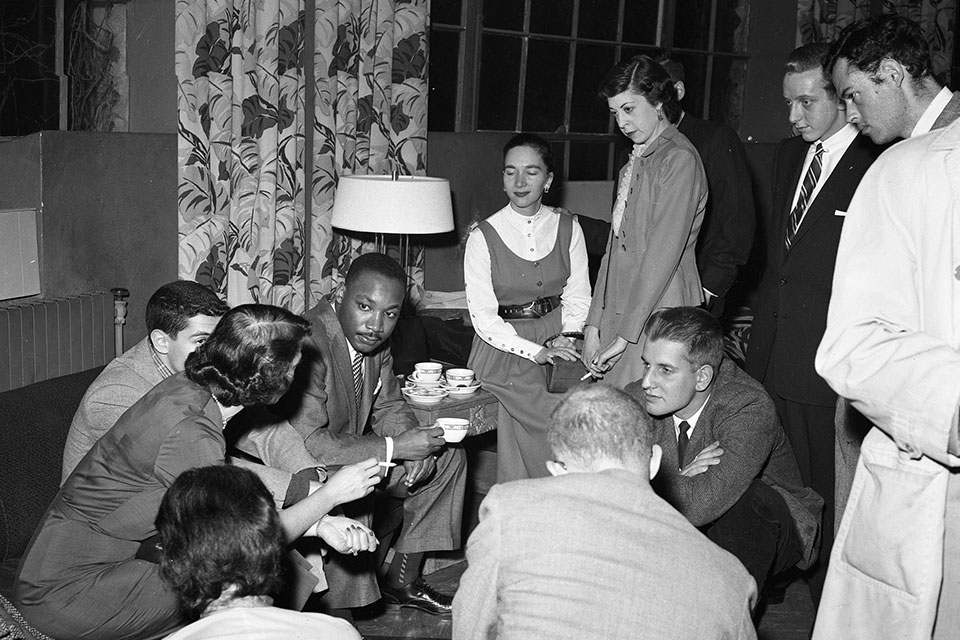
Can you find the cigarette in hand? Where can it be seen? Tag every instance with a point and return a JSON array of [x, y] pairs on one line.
[[585, 376], [387, 464]]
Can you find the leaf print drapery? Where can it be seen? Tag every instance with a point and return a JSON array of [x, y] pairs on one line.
[[823, 20], [370, 114], [253, 225]]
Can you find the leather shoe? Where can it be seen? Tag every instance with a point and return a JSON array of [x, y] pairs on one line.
[[418, 595]]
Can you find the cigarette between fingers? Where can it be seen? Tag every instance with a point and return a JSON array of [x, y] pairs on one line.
[[585, 376], [387, 464]]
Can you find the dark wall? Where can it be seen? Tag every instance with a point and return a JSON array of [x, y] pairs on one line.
[[772, 37], [20, 168], [473, 164], [150, 66], [108, 216]]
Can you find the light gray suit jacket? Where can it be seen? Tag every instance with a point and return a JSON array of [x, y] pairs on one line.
[[321, 404], [596, 555]]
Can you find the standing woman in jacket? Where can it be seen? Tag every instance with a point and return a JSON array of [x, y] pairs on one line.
[[526, 280], [661, 195]]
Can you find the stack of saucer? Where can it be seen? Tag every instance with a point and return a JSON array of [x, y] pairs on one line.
[[424, 384], [460, 382]]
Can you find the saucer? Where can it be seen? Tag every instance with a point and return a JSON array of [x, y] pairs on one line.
[[461, 391]]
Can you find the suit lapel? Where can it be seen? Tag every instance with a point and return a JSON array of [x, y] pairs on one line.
[[794, 166], [343, 378]]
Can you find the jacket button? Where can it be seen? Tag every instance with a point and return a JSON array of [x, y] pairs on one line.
[[774, 314], [783, 281], [539, 283]]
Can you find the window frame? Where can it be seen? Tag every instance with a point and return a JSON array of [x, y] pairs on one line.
[[471, 30]]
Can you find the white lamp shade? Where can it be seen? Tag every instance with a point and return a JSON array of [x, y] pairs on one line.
[[379, 204]]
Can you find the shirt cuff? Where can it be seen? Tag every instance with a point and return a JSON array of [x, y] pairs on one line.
[[299, 487], [389, 449]]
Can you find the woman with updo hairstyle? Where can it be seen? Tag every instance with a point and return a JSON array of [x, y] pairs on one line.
[[525, 270], [661, 195], [90, 570], [222, 550]]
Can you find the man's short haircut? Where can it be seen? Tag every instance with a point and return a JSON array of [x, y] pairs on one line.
[[692, 327], [865, 44], [672, 66], [597, 422], [172, 305], [247, 358], [218, 528], [808, 57], [376, 263]]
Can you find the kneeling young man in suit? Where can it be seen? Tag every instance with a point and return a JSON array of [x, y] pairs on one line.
[[593, 552], [727, 465]]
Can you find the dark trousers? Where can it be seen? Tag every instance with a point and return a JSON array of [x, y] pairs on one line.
[[811, 431], [759, 530]]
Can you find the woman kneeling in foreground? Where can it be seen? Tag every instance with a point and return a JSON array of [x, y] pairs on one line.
[[85, 572], [223, 549]]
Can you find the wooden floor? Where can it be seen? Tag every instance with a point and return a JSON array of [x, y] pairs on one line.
[[791, 620]]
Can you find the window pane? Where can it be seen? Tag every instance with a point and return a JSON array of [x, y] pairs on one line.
[[589, 160], [731, 32], [445, 12], [503, 14], [588, 112], [545, 89], [554, 17], [499, 83], [444, 67], [695, 70], [726, 91], [691, 28], [640, 21], [598, 19]]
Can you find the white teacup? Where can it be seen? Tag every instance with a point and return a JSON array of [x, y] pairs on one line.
[[460, 377], [428, 371], [454, 429]]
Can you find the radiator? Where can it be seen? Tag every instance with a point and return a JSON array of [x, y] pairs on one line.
[[41, 339]]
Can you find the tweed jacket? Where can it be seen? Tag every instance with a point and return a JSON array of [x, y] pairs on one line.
[[321, 404], [892, 346], [730, 218], [596, 555], [741, 416]]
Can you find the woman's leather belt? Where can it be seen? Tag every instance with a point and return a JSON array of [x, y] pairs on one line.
[[533, 309]]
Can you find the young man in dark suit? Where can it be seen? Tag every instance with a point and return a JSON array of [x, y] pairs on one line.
[[346, 403], [727, 465], [815, 175]]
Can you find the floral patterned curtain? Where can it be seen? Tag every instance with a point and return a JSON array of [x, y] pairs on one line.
[[242, 115], [370, 114], [823, 20]]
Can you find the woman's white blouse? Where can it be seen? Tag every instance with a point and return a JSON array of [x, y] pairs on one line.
[[531, 238]]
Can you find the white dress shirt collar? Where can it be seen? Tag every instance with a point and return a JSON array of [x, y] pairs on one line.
[[692, 420], [932, 112]]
